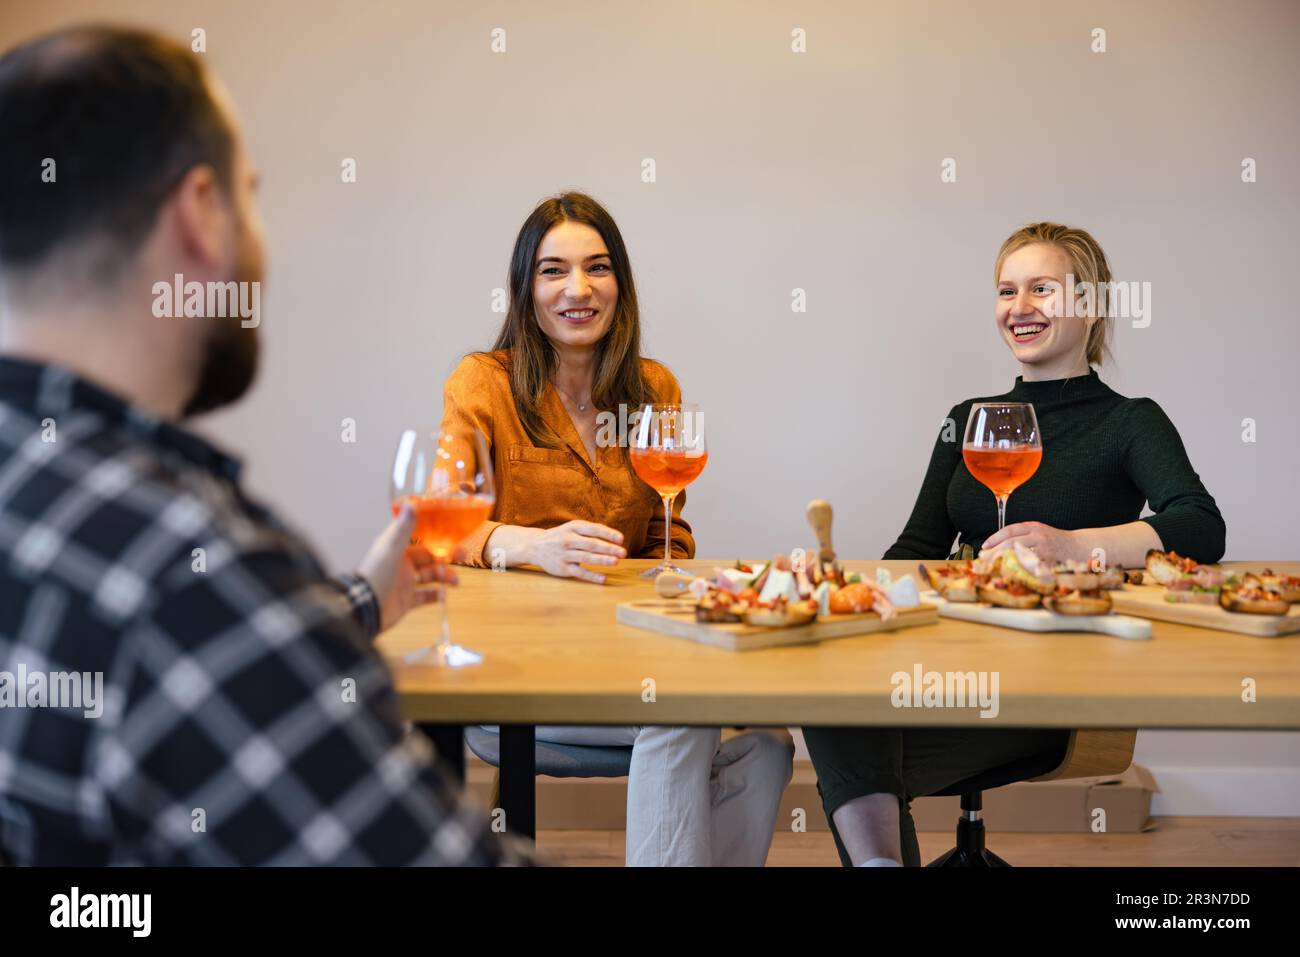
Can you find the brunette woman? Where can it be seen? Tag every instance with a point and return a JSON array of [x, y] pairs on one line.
[[570, 503]]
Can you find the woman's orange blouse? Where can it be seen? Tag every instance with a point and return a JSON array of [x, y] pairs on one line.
[[541, 487]]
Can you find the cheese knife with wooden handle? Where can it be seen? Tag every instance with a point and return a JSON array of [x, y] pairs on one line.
[[819, 517]]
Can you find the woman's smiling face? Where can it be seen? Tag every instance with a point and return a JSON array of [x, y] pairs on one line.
[[574, 289], [1031, 313]]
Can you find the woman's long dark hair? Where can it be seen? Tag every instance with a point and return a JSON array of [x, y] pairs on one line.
[[618, 377]]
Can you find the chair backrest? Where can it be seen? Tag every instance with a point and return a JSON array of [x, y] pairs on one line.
[[1094, 754]]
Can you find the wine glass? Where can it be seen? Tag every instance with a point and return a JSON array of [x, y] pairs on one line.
[[1003, 448], [668, 453], [447, 479]]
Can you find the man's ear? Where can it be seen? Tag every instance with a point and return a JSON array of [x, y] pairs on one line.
[[201, 215]]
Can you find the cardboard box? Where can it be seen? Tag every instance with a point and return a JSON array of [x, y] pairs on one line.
[[1115, 804]]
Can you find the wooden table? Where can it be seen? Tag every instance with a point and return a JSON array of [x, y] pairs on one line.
[[555, 655]]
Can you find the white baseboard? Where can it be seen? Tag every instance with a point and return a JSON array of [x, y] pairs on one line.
[[1226, 792]]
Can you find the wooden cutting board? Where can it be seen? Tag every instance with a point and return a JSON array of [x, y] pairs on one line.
[[1041, 619], [676, 617], [1148, 601]]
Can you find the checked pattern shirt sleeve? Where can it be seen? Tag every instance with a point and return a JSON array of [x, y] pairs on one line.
[[362, 601]]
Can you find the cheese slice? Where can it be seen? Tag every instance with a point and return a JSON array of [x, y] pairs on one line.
[[779, 583], [904, 593], [822, 595]]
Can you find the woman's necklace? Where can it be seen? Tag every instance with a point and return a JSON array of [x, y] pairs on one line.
[[582, 406]]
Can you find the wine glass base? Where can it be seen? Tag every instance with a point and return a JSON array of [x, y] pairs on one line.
[[664, 567], [452, 656]]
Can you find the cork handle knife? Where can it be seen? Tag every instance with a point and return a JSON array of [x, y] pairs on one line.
[[819, 517]]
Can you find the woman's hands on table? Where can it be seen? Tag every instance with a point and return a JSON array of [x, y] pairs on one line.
[[1121, 545], [1052, 545], [562, 550]]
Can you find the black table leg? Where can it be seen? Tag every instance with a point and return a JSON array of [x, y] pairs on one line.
[[449, 743], [518, 779]]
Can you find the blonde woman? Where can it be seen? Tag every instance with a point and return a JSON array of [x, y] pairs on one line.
[[1105, 456]]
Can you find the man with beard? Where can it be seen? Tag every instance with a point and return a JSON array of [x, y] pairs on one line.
[[245, 717]]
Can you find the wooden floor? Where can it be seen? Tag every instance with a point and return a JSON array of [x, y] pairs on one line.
[[1176, 842]]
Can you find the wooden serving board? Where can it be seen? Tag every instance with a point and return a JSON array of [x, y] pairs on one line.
[[1148, 601], [1041, 619], [677, 617]]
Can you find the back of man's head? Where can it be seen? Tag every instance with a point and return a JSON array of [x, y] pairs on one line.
[[97, 126], [120, 169]]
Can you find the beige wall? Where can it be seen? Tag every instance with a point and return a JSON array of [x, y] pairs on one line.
[[775, 170]]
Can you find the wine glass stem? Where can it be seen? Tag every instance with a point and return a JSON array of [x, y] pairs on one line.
[[444, 626], [668, 528], [1002, 511]]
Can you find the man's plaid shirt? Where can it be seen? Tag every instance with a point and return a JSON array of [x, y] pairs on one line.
[[246, 717]]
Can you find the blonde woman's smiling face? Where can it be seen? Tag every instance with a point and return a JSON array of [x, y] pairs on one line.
[[1031, 313], [574, 289]]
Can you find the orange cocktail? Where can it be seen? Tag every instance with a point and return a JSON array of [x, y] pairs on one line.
[[442, 522], [668, 472], [1002, 470]]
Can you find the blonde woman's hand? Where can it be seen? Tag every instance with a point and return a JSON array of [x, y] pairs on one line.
[[1052, 545]]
